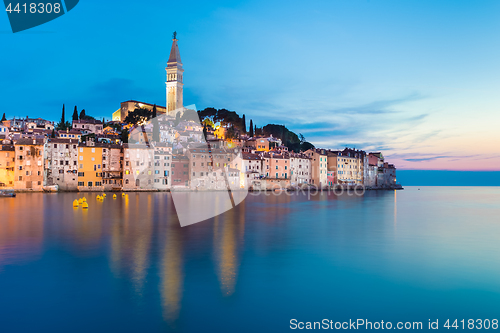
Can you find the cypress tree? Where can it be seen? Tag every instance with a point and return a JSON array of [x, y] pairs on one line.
[[154, 111], [255, 130], [3, 117], [156, 126], [251, 128], [63, 117], [82, 114], [75, 114], [244, 124], [53, 135]]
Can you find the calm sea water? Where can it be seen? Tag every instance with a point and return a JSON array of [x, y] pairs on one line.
[[125, 265]]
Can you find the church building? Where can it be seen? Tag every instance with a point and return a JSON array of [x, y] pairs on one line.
[[174, 88]]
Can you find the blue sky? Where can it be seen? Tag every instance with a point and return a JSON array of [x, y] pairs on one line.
[[418, 80]]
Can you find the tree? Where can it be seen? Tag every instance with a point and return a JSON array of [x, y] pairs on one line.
[[138, 116], [154, 111], [304, 146], [244, 124], [75, 114], [177, 119], [251, 128], [156, 126], [82, 114], [255, 130], [124, 135], [53, 135], [62, 123], [3, 117]]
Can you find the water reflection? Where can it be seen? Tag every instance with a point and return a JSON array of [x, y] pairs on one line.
[[229, 230], [21, 231], [142, 262]]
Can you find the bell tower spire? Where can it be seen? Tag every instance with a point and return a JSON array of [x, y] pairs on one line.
[[174, 78]]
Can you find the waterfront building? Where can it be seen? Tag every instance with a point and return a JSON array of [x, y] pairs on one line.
[[88, 126], [252, 168], [61, 163], [7, 165], [28, 172], [138, 168], [319, 166], [180, 171], [350, 167], [300, 169], [90, 167], [162, 168], [112, 166]]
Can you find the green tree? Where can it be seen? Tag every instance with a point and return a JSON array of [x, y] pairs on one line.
[[251, 129], [244, 124], [124, 135], [75, 114], [156, 126], [62, 123], [82, 114], [177, 119], [3, 117], [304, 146], [138, 116], [53, 135]]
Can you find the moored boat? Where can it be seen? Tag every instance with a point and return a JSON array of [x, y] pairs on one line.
[[7, 193], [51, 188]]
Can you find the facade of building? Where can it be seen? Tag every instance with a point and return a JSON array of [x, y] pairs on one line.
[[300, 169], [138, 167], [162, 168], [112, 166], [180, 171], [61, 163], [7, 165], [319, 167], [88, 126], [28, 172], [90, 167]]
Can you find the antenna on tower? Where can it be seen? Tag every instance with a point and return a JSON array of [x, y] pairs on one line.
[[174, 35]]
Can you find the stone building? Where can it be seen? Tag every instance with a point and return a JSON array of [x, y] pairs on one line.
[[319, 167], [112, 165], [7, 165], [174, 84], [138, 167], [162, 168], [300, 169], [28, 172], [61, 163]]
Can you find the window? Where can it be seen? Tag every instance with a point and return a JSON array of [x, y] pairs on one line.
[[276, 175], [81, 183], [20, 178], [89, 184]]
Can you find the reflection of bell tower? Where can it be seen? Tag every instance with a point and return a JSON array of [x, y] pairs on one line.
[[174, 78]]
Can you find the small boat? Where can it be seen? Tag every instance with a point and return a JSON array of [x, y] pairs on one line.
[[50, 188], [7, 193]]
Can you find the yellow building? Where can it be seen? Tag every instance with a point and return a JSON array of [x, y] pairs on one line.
[[90, 167], [7, 164]]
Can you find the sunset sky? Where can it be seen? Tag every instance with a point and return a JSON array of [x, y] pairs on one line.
[[417, 80]]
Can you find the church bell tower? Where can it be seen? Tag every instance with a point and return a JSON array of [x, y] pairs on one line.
[[174, 78]]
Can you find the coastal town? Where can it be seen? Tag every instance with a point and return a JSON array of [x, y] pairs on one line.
[[145, 147]]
